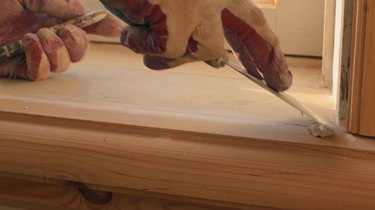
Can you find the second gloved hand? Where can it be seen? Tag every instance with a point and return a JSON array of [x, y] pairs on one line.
[[46, 51], [174, 32]]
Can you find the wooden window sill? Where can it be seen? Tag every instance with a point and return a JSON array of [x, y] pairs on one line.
[[113, 86], [193, 132]]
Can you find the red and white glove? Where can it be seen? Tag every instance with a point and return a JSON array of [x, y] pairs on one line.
[[174, 32], [46, 51]]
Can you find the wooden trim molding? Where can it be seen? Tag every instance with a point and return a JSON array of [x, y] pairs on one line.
[[222, 169], [356, 72], [361, 87], [367, 122]]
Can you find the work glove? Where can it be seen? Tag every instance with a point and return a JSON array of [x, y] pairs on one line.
[[46, 51], [173, 32]]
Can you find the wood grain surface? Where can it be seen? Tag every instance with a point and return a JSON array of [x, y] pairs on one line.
[[37, 195], [356, 72], [367, 116], [189, 133], [211, 167]]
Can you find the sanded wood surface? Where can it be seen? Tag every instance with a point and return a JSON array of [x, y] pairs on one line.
[[192, 132], [112, 85]]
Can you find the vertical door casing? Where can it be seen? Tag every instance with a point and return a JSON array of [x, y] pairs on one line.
[[367, 108], [361, 112]]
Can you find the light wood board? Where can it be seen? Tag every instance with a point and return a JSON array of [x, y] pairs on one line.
[[191, 132], [113, 79]]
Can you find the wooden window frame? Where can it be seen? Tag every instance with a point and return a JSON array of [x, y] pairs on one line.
[[136, 159]]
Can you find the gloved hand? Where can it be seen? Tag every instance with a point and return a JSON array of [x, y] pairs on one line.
[[46, 51], [173, 32]]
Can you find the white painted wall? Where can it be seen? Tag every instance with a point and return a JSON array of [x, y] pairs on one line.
[[300, 25]]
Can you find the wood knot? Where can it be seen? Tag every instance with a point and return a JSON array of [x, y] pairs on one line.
[[93, 196]]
